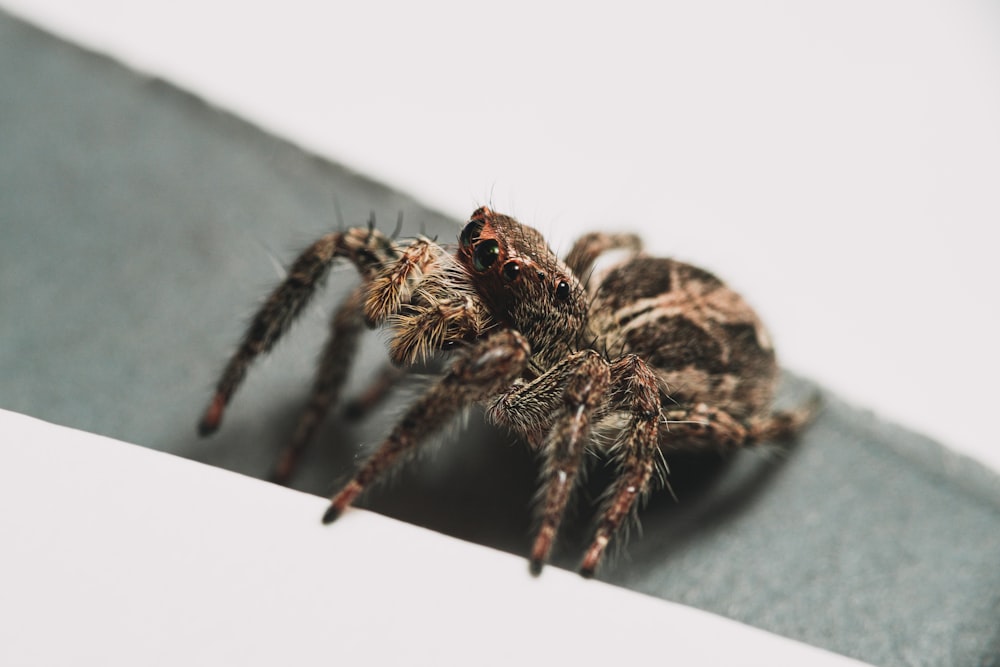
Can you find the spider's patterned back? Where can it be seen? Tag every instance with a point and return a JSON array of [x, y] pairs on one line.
[[703, 340]]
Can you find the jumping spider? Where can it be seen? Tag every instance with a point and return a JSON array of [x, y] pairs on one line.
[[649, 356]]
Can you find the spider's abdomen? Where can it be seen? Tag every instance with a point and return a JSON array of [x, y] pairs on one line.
[[703, 340]]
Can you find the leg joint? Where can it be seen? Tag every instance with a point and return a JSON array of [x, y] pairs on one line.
[[588, 382]]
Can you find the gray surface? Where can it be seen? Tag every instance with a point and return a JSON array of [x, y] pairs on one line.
[[138, 227]]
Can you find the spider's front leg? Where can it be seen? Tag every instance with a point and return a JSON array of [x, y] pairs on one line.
[[481, 371], [553, 413], [586, 379], [634, 392], [346, 328], [368, 249], [380, 293]]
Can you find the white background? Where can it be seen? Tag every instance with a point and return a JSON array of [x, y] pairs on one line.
[[105, 568], [839, 163]]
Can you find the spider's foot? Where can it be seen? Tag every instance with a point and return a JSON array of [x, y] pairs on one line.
[[593, 557], [332, 514], [341, 501], [542, 548], [210, 421]]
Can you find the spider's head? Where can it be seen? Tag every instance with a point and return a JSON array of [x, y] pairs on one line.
[[521, 280]]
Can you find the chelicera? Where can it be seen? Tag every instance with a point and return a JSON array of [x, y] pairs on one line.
[[641, 359]]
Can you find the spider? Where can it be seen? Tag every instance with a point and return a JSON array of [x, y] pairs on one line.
[[646, 357]]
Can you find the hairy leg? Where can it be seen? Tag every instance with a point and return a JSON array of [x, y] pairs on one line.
[[346, 328], [783, 424], [366, 248], [586, 382], [703, 427], [481, 371], [635, 392], [589, 247]]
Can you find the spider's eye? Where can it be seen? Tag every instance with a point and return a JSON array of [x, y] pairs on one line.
[[471, 232], [485, 254], [562, 290], [511, 270]]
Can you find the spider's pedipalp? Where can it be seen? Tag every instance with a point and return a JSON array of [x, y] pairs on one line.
[[442, 310], [393, 284]]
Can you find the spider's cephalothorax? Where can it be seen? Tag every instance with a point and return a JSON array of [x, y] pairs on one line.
[[649, 356], [524, 286]]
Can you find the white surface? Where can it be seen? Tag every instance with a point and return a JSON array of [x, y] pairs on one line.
[[119, 555], [852, 146]]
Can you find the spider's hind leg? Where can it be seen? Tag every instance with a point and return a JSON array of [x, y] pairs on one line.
[[783, 424], [706, 428], [589, 247]]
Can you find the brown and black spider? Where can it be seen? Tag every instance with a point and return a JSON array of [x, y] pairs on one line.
[[649, 356]]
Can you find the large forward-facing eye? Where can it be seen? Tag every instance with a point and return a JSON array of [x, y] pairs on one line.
[[485, 254], [471, 233]]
